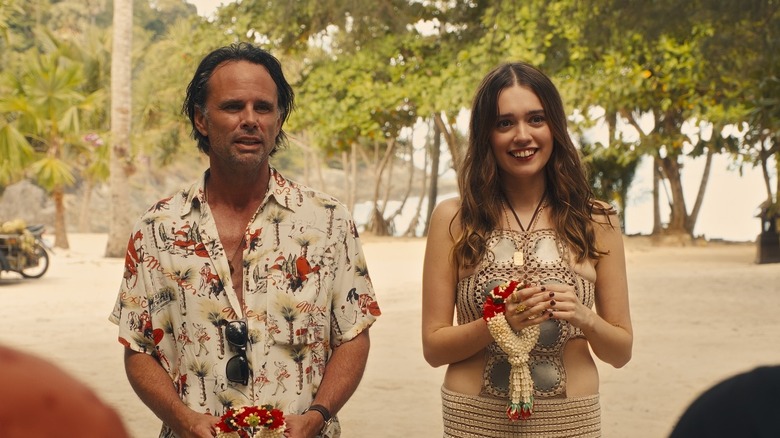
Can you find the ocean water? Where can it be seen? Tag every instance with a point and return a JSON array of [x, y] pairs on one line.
[[728, 211]]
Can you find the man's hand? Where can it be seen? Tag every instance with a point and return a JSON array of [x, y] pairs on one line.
[[197, 425], [307, 425]]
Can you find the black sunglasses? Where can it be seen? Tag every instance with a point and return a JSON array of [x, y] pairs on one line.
[[237, 368]]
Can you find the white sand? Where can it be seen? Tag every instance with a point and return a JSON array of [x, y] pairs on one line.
[[700, 314]]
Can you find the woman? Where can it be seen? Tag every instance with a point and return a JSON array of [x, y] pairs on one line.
[[526, 223]]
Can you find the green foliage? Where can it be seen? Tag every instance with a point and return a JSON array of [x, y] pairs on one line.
[[17, 154], [164, 70], [363, 96], [364, 71], [610, 171], [292, 25], [52, 172]]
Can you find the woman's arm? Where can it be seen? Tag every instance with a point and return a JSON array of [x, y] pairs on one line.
[[610, 333], [444, 343]]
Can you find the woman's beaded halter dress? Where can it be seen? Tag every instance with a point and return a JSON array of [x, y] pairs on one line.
[[535, 257]]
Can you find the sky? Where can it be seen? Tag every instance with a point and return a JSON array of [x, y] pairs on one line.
[[730, 203], [207, 7]]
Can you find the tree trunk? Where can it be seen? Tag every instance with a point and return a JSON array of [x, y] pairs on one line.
[[377, 223], [84, 223], [762, 160], [312, 162], [679, 214], [434, 188], [60, 233], [412, 230], [388, 177], [306, 167], [657, 228], [690, 223], [121, 165], [352, 177], [349, 199], [612, 142], [409, 184], [450, 138], [777, 172]]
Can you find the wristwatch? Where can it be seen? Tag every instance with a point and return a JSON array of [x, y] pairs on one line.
[[323, 411]]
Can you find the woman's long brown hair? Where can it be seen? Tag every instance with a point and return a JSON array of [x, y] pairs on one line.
[[569, 195]]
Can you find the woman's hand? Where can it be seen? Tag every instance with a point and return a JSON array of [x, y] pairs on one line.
[[533, 305], [564, 304]]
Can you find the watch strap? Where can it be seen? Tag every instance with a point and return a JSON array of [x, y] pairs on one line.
[[322, 410]]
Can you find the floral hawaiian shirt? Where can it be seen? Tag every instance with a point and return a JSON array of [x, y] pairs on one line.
[[306, 289]]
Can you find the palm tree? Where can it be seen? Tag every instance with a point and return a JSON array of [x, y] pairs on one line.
[[121, 162], [331, 207], [146, 343], [167, 326], [92, 49], [16, 151], [182, 278], [6, 9], [45, 104], [361, 268], [290, 313], [201, 370], [298, 353], [215, 317], [304, 242], [226, 401], [277, 216]]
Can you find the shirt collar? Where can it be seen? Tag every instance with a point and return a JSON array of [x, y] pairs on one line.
[[283, 191]]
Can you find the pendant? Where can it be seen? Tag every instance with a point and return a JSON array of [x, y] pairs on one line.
[[518, 258]]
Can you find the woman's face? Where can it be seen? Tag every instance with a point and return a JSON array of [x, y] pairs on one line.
[[521, 139]]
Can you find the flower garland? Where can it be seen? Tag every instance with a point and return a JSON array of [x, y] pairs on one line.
[[517, 346], [251, 422]]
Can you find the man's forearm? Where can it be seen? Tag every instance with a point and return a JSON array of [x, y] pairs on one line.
[[154, 387], [343, 372]]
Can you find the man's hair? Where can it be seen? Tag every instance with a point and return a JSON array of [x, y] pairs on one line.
[[197, 90]]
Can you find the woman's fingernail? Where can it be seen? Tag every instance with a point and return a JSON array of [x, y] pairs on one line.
[[552, 302], [552, 294]]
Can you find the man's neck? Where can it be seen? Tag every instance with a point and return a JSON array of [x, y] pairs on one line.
[[237, 191]]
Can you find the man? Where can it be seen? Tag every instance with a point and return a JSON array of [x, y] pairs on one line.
[[273, 270]]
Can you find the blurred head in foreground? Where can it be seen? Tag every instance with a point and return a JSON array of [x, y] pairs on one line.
[[37, 399], [745, 406]]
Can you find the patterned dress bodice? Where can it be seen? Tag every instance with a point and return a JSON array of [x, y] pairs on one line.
[[545, 261]]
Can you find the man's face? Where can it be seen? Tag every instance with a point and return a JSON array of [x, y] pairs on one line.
[[241, 116]]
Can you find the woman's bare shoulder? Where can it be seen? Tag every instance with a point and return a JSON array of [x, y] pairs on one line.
[[449, 205], [604, 213], [446, 215]]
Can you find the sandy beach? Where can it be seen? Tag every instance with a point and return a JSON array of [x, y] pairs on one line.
[[700, 314]]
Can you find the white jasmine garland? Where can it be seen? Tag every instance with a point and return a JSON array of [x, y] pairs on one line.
[[517, 346]]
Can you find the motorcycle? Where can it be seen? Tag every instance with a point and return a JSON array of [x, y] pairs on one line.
[[23, 250]]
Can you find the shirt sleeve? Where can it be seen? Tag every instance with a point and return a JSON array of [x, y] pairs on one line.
[[355, 306], [131, 311]]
